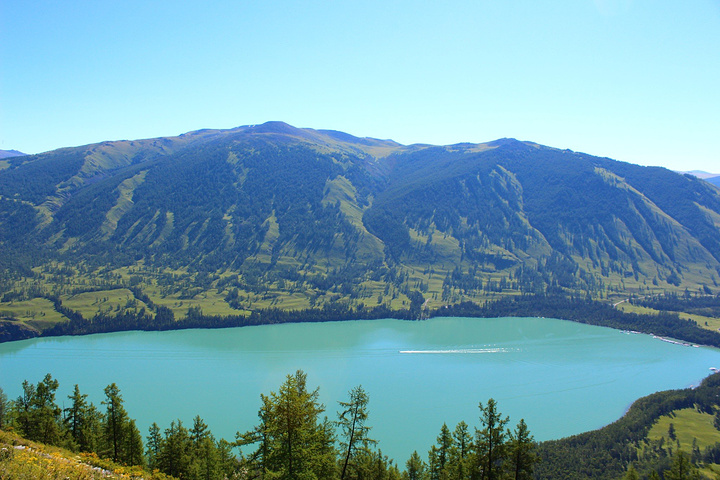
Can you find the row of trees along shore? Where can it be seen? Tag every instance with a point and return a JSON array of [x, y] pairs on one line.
[[577, 309], [293, 439]]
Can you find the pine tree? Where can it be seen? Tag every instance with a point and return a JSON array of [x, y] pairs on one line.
[[353, 431], [47, 413], [631, 474], [205, 457], [4, 407], [22, 409], [522, 458], [439, 454], [114, 424], [82, 421], [153, 446], [133, 447], [415, 467], [174, 456], [36, 413], [682, 468], [460, 452], [294, 443], [490, 443], [199, 431]]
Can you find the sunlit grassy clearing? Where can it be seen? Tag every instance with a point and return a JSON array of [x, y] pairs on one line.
[[689, 424]]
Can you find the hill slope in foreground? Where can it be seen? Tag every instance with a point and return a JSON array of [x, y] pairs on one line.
[[225, 222]]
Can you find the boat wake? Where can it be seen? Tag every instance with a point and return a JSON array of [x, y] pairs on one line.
[[460, 350]]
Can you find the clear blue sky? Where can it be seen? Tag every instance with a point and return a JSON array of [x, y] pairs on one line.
[[637, 81]]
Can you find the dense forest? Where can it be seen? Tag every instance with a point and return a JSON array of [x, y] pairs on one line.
[[295, 438]]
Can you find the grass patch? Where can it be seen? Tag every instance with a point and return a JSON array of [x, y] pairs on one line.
[[23, 459], [708, 323], [38, 312], [689, 424], [89, 304]]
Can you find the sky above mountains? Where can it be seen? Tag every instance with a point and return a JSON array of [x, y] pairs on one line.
[[629, 79]]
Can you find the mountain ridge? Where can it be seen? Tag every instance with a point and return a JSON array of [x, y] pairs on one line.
[[276, 216]]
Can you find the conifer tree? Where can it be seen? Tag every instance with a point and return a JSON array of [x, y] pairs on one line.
[[121, 437], [631, 474], [353, 431], [174, 457], [415, 468], [133, 445], [47, 413], [36, 413], [82, 421], [153, 445], [294, 442], [460, 452], [439, 454], [4, 407], [490, 443], [682, 468], [522, 459]]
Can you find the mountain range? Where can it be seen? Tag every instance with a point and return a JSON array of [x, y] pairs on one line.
[[713, 178], [273, 215], [10, 153]]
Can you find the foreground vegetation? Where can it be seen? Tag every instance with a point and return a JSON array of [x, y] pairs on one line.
[[22, 459], [293, 439], [668, 435]]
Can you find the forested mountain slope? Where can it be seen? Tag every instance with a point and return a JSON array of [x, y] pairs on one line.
[[228, 221]]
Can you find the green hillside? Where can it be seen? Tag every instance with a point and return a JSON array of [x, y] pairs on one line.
[[226, 222]]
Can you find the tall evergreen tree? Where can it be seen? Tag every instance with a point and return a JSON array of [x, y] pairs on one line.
[[114, 424], [440, 453], [36, 414], [4, 408], [415, 468], [522, 459], [175, 457], [153, 445], [631, 474], [460, 452], [353, 431], [294, 442], [682, 468], [199, 431], [22, 408], [490, 443], [47, 413], [82, 421], [133, 444]]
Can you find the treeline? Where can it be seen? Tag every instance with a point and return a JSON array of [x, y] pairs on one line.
[[610, 452], [586, 311], [79, 427], [11, 330], [164, 319], [580, 310], [707, 305], [293, 440]]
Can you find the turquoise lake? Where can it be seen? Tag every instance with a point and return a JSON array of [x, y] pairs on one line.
[[562, 377]]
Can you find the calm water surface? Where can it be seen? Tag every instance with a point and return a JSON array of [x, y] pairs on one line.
[[562, 377]]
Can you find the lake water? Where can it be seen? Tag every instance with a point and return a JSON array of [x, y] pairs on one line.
[[562, 377]]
